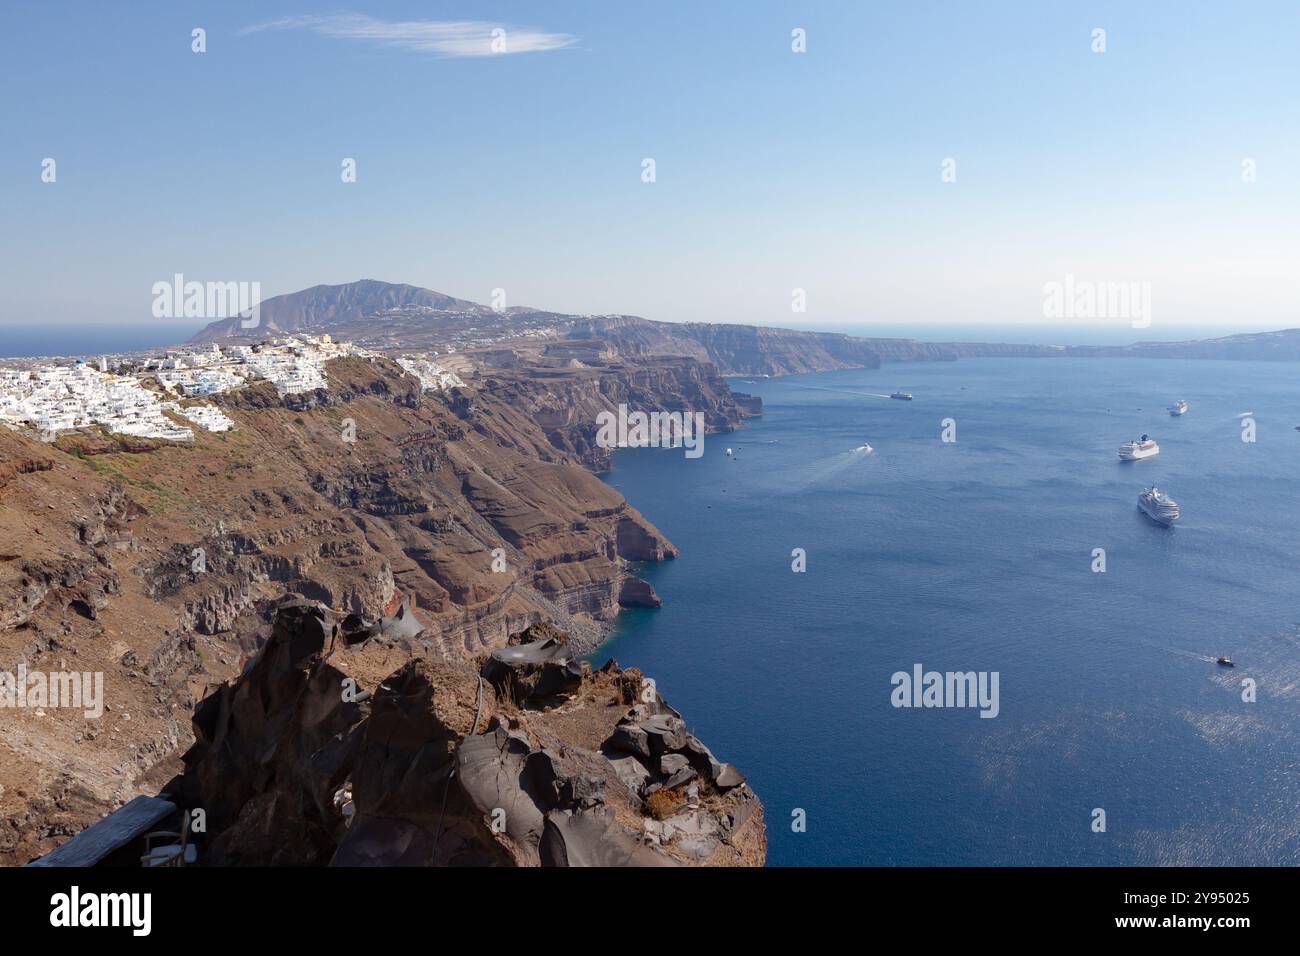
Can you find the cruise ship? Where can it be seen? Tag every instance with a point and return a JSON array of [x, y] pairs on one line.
[[1144, 447], [1158, 506], [902, 396], [1178, 408]]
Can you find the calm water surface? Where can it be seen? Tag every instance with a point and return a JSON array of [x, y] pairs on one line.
[[977, 555]]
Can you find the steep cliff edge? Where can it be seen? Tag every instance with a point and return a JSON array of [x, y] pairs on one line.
[[565, 402], [734, 349], [159, 565], [319, 755]]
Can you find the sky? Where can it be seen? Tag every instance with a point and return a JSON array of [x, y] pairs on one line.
[[774, 170]]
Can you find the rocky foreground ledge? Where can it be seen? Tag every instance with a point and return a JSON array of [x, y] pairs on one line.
[[318, 755]]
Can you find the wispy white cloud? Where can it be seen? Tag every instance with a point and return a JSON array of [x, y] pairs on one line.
[[437, 37]]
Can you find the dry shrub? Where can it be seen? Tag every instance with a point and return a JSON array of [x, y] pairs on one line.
[[662, 803]]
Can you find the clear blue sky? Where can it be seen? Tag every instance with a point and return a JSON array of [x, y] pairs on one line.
[[775, 170]]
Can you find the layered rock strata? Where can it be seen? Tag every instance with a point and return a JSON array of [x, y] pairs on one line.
[[447, 521]]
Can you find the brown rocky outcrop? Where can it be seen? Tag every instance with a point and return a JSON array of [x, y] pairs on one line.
[[566, 402]]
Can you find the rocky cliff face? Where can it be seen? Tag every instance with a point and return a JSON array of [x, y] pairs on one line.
[[317, 755], [565, 402], [734, 349], [470, 514]]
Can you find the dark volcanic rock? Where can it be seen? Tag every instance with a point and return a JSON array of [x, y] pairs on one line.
[[434, 769], [535, 670], [285, 720]]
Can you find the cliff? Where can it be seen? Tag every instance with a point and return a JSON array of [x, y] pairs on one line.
[[565, 401], [734, 349], [319, 755], [450, 522]]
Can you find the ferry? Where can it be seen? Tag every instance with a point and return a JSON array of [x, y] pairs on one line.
[[1178, 408], [1144, 447], [902, 396], [1158, 506]]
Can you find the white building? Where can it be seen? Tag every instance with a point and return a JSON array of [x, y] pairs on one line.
[[59, 398], [433, 377]]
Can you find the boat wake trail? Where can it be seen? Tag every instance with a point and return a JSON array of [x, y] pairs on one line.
[[837, 464], [842, 391], [1190, 655]]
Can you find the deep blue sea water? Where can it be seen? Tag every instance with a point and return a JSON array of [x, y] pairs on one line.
[[977, 555], [84, 339]]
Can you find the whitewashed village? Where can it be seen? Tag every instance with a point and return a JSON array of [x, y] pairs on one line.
[[58, 398]]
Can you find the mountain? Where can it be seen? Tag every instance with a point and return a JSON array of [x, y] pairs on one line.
[[384, 315], [326, 305]]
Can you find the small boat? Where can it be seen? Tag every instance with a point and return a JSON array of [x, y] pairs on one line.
[[1225, 661], [865, 447], [902, 396], [1178, 408], [728, 452]]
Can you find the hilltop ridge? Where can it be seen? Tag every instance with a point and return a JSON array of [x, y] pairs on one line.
[[394, 316]]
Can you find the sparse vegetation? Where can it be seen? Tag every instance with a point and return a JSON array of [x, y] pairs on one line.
[[662, 803]]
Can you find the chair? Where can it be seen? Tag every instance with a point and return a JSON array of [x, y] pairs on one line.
[[170, 854]]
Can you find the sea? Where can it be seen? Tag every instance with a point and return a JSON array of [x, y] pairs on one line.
[[1016, 548], [90, 339]]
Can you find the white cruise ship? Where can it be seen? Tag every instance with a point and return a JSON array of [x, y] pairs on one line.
[[1158, 506], [1178, 408], [1144, 447]]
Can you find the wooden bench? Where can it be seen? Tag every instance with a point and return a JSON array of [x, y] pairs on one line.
[[115, 831]]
